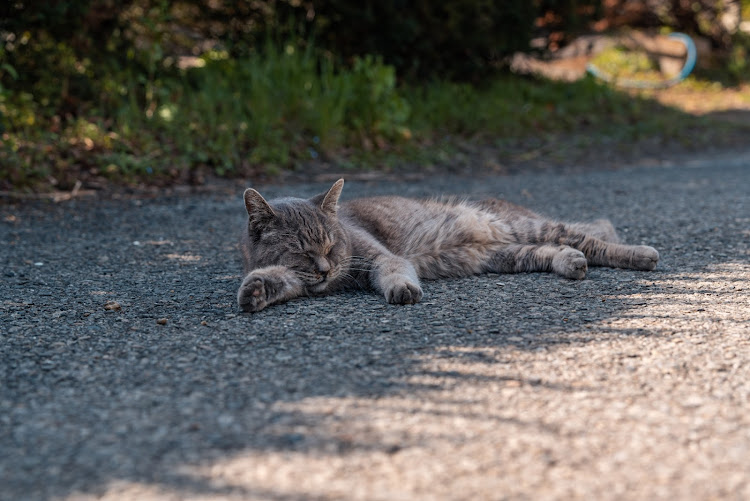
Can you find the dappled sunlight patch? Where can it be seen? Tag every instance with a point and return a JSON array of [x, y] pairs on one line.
[[676, 302], [577, 418], [698, 99], [395, 447]]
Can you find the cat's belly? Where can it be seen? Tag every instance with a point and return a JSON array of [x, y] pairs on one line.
[[454, 243]]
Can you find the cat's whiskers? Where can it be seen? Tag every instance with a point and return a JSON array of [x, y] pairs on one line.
[[310, 278], [356, 263], [347, 276], [353, 258], [318, 279]]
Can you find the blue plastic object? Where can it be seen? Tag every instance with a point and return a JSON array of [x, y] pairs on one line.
[[687, 68]]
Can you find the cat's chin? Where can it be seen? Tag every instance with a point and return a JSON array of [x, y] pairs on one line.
[[319, 287], [324, 284]]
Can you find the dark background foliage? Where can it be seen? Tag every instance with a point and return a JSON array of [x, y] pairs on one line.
[[78, 40], [157, 86]]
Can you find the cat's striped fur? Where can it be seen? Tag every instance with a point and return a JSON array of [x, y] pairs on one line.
[[296, 247]]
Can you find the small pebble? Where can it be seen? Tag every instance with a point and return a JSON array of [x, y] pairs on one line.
[[112, 306], [162, 321]]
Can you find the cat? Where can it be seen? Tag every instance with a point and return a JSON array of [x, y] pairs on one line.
[[296, 247]]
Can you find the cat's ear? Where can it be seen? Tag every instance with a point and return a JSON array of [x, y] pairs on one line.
[[330, 200], [257, 207]]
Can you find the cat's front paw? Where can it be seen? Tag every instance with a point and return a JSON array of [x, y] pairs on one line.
[[644, 257], [253, 295], [570, 263], [405, 292]]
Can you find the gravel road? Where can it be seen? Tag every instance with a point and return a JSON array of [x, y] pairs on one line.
[[127, 371]]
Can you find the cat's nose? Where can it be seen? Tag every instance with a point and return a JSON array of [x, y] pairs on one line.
[[323, 267]]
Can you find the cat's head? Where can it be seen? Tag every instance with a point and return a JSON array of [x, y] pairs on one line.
[[302, 234]]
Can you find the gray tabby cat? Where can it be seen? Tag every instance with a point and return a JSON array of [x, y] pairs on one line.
[[294, 247]]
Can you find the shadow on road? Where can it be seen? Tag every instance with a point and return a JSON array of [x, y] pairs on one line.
[[110, 403]]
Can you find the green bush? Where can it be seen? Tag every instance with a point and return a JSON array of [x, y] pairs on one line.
[[275, 108], [269, 110]]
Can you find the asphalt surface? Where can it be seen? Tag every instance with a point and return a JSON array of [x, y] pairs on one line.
[[127, 371]]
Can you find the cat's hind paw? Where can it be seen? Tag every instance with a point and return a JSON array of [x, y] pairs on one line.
[[644, 257], [405, 292], [570, 263]]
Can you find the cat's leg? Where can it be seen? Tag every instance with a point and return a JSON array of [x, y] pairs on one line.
[[601, 253], [393, 276], [267, 286], [519, 258], [598, 252], [396, 278]]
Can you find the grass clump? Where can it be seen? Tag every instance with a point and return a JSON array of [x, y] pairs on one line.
[[283, 107], [265, 112], [516, 107]]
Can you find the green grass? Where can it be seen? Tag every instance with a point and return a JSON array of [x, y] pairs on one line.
[[287, 107], [270, 112]]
